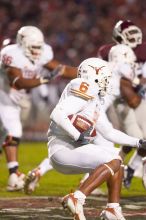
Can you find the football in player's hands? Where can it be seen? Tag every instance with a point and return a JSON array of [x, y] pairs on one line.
[[82, 124]]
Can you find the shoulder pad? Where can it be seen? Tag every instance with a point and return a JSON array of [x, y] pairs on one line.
[[9, 54], [83, 89]]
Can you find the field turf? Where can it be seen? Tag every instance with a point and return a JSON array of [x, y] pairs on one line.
[[53, 183]]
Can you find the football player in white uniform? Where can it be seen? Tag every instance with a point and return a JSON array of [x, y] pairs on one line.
[[132, 110], [23, 63], [127, 33], [32, 178], [72, 152]]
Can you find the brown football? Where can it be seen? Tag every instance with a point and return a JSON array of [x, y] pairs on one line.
[[129, 94], [82, 124]]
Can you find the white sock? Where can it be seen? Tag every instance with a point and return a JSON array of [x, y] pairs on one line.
[[12, 164], [144, 166], [45, 166], [135, 161], [80, 196], [112, 205]]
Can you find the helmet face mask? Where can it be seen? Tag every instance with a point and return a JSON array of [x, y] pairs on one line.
[[96, 71], [31, 40], [125, 32]]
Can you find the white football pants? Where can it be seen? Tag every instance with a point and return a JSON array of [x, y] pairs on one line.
[[69, 160]]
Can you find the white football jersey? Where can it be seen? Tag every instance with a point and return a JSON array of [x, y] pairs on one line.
[[119, 70], [79, 97], [144, 70], [13, 56]]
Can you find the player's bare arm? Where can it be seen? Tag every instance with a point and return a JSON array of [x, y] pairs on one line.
[[129, 94], [67, 72], [17, 81]]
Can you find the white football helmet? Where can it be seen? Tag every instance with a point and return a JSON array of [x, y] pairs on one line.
[[96, 71], [31, 39], [126, 32]]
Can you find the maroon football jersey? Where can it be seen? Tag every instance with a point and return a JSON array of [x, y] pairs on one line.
[[140, 52], [103, 51]]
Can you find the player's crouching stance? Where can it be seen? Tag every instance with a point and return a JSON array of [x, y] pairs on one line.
[[75, 120]]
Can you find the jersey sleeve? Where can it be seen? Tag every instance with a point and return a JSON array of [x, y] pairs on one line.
[[69, 105], [73, 100], [106, 129], [83, 89]]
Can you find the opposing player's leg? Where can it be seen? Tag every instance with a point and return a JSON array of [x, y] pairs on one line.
[[33, 176], [130, 169], [124, 150], [133, 128], [144, 172], [133, 167]]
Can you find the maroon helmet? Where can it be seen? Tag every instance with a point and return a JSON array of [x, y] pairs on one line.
[[126, 32]]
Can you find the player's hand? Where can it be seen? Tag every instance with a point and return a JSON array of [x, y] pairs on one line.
[[44, 80], [53, 74], [57, 71], [85, 137], [142, 143]]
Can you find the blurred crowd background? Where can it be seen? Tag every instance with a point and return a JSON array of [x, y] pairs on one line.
[[74, 28]]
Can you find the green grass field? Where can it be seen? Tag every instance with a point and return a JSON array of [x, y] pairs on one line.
[[53, 183]]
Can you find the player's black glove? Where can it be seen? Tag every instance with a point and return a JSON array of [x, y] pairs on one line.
[[142, 144], [85, 137], [53, 74]]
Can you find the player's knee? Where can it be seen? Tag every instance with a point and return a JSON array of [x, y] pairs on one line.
[[11, 141], [113, 166], [126, 149]]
